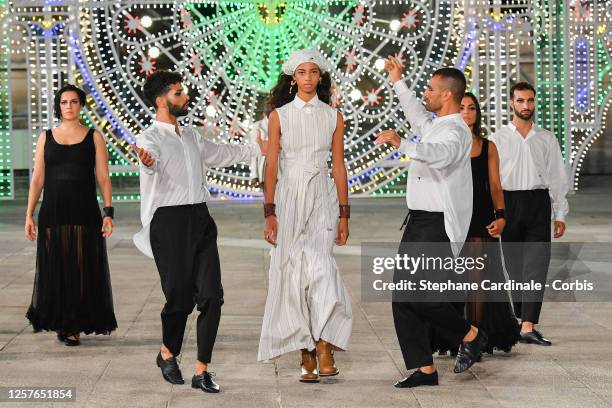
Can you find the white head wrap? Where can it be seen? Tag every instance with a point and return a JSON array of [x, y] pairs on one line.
[[302, 56]]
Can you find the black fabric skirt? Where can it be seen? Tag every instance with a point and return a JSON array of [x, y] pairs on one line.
[[72, 290]]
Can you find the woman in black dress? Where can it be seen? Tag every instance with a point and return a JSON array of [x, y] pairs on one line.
[[496, 318], [72, 291]]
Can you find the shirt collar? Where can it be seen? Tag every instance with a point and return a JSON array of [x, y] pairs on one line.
[[167, 126], [533, 129], [299, 103]]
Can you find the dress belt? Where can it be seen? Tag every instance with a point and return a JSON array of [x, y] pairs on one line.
[[312, 170]]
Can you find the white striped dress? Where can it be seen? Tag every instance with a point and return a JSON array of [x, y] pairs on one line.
[[307, 300]]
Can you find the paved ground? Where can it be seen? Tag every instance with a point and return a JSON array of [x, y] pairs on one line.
[[119, 370]]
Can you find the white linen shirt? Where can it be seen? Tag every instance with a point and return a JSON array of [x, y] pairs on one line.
[[440, 171], [178, 176], [533, 162]]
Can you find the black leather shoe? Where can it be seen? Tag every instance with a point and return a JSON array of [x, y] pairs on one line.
[[170, 370], [470, 352], [534, 337], [71, 342], [61, 336], [205, 382], [418, 378]]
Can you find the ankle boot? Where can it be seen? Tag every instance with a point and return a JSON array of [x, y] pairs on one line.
[[325, 355], [309, 367]]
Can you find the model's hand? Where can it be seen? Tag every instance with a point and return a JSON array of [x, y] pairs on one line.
[[343, 232], [144, 156], [389, 136], [394, 68], [30, 228], [496, 228], [559, 229], [270, 229], [107, 227]]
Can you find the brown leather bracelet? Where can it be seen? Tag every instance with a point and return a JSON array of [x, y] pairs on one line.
[[345, 211], [269, 209]]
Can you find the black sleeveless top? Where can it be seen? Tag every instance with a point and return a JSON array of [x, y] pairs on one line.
[[70, 184], [482, 210]]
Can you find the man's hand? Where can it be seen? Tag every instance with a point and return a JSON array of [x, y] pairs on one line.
[[144, 156], [559, 229], [255, 183], [394, 68], [389, 136]]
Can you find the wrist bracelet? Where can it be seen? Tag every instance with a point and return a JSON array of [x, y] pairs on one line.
[[500, 213], [109, 212], [269, 209], [345, 211]]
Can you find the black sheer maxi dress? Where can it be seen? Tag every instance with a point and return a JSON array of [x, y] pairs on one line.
[[495, 318], [72, 290]]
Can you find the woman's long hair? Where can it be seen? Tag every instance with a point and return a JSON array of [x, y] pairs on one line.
[[478, 124], [280, 95]]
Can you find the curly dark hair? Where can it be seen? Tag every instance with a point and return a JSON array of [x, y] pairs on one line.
[[478, 124], [280, 95], [58, 98], [158, 84]]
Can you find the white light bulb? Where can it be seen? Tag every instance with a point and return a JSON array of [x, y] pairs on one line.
[[154, 52], [379, 64], [395, 25], [211, 111], [355, 95], [146, 21]]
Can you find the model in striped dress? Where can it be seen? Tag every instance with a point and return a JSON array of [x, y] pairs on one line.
[[308, 307]]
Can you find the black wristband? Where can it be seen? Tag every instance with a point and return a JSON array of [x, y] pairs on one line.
[[109, 212], [500, 213]]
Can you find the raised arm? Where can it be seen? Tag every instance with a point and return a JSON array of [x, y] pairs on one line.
[[36, 186], [438, 154], [415, 112], [224, 155]]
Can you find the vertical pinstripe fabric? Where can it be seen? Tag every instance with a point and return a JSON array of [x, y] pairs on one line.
[[307, 300]]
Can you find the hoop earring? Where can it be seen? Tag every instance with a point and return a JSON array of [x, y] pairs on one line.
[[291, 87]]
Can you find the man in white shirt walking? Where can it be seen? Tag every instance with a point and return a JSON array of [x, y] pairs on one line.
[[533, 176], [178, 231], [439, 197]]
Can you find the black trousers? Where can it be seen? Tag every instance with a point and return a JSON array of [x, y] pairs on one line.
[[413, 320], [528, 215], [184, 243]]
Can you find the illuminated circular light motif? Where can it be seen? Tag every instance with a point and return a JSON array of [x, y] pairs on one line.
[[231, 53]]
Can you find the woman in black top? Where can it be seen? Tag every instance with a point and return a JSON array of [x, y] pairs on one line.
[[494, 317], [72, 292]]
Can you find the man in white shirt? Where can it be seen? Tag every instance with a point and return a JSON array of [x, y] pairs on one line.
[[257, 166], [178, 231], [533, 176], [439, 197]]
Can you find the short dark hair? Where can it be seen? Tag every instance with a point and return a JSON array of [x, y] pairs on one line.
[[522, 86], [58, 98], [455, 80], [158, 84]]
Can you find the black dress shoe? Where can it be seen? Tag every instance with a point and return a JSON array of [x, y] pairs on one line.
[[470, 352], [534, 337], [71, 342], [418, 378], [205, 382], [61, 336], [170, 370]]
